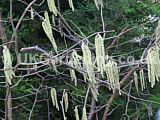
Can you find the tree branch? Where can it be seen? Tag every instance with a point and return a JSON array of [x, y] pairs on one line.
[[115, 94]]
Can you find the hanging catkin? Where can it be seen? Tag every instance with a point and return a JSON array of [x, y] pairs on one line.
[[48, 30], [64, 116], [76, 113], [88, 63], [65, 101], [84, 114], [153, 64], [52, 6], [32, 13], [112, 75], [98, 3], [8, 71], [53, 20], [54, 98], [100, 54], [71, 4], [73, 76], [75, 58], [136, 80], [87, 60], [142, 79], [72, 72], [157, 34]]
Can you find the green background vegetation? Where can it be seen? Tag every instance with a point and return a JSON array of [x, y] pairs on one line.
[[118, 14]]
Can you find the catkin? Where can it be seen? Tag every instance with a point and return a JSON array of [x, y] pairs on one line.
[[72, 73], [48, 30], [71, 4], [54, 98], [73, 76], [75, 58], [8, 71], [100, 54], [157, 34], [52, 6], [76, 113], [84, 114], [32, 13], [53, 20], [142, 79], [98, 3], [88, 63], [66, 101], [87, 60], [112, 73], [64, 116], [136, 80], [153, 64]]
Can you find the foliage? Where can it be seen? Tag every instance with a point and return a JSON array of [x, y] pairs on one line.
[[133, 35]]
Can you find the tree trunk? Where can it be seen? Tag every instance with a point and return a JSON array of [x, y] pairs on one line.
[[8, 103]]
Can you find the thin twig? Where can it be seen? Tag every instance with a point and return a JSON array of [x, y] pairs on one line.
[[20, 20], [35, 100], [109, 103]]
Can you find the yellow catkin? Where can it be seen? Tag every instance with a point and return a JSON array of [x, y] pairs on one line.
[[72, 72], [76, 113], [53, 20], [54, 98], [153, 64], [84, 114], [52, 6], [87, 60], [73, 76], [32, 13], [100, 54], [136, 80], [157, 34], [8, 71], [64, 117], [71, 4], [85, 76], [48, 30], [112, 73], [76, 60], [142, 80], [98, 3], [66, 101]]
